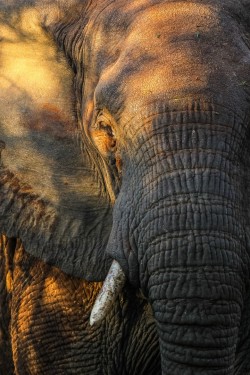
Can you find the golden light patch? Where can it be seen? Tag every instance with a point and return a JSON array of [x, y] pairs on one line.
[[174, 16], [26, 65], [29, 21], [31, 62], [36, 98], [89, 111], [9, 281], [6, 271]]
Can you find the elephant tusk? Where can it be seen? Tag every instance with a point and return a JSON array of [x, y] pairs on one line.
[[112, 286]]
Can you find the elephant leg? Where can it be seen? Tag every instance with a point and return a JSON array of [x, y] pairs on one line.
[[49, 322], [51, 333], [7, 248]]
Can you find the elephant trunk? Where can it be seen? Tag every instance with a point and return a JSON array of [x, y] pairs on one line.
[[193, 272], [192, 256], [196, 289], [186, 244]]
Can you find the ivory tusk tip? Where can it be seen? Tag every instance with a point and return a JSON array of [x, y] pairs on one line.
[[98, 312], [112, 286], [93, 321]]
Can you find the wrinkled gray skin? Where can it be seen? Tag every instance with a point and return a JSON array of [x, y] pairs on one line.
[[125, 135]]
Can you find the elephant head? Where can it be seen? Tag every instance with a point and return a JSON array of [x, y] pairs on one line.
[[125, 136]]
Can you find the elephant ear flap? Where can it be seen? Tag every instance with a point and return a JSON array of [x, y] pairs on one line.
[[50, 196]]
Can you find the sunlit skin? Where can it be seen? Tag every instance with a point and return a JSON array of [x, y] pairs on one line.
[[57, 293], [124, 135]]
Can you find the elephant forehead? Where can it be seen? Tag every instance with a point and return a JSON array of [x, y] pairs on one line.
[[170, 49], [140, 35], [174, 17]]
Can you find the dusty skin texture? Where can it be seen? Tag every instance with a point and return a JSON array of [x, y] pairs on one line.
[[124, 134]]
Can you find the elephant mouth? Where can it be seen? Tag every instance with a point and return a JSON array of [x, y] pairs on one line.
[[112, 286]]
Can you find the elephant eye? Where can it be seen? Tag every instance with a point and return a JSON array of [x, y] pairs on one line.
[[106, 128], [103, 136]]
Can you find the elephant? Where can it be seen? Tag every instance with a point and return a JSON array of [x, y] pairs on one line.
[[125, 187]]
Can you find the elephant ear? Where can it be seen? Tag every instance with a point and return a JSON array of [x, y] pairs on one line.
[[50, 196]]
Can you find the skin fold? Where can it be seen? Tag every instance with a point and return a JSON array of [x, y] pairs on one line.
[[124, 134]]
